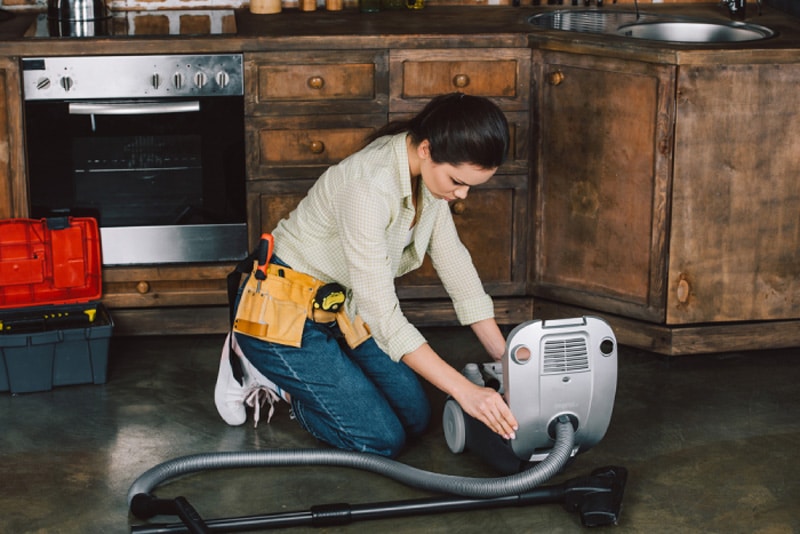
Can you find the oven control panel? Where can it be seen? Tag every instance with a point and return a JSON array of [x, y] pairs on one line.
[[104, 77]]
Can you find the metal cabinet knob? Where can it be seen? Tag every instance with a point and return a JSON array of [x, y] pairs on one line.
[[316, 82], [555, 78], [317, 147], [461, 80]]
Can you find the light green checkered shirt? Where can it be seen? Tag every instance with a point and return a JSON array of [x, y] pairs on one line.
[[352, 228]]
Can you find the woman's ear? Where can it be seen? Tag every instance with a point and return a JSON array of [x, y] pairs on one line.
[[424, 149]]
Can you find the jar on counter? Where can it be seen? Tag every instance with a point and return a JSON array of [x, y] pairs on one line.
[[415, 4], [265, 7]]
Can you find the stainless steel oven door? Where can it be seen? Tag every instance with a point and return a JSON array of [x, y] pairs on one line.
[[165, 178]]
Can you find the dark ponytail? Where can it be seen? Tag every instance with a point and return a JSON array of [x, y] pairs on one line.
[[460, 129]]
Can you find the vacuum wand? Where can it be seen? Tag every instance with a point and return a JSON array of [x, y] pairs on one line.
[[597, 498]]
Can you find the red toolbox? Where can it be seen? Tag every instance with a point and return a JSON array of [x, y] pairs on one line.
[[54, 330]]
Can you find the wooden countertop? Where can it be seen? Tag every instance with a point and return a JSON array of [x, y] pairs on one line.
[[433, 27]]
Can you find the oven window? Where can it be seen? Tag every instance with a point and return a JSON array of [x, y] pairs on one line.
[[140, 180], [140, 169]]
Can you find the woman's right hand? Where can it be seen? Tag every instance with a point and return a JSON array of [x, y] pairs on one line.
[[487, 406]]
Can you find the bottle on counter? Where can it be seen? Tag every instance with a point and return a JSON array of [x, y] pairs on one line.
[[334, 5], [415, 4], [308, 5]]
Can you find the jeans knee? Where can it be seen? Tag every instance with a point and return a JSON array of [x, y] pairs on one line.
[[388, 445]]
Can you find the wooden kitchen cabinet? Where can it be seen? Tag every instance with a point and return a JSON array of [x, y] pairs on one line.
[[502, 75], [306, 111], [13, 186], [602, 180], [667, 198], [734, 250]]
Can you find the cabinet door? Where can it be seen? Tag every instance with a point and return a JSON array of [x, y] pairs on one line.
[[735, 237], [270, 201], [492, 226], [605, 130], [13, 190]]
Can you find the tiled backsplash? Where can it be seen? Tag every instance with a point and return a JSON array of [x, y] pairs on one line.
[[138, 5]]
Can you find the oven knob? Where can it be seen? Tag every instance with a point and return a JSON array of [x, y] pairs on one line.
[[200, 79], [66, 83], [155, 81], [223, 78], [42, 84], [177, 80]]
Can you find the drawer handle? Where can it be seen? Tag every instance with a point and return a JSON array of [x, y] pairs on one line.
[[555, 78], [317, 147], [461, 80], [458, 207], [143, 287], [316, 82]]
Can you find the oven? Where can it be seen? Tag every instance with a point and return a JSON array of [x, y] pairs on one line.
[[152, 146]]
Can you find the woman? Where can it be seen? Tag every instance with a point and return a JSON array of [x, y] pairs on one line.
[[366, 221]]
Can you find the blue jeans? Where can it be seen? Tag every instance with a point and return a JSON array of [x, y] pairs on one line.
[[353, 399]]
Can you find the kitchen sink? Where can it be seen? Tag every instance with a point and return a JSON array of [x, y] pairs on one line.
[[696, 32], [656, 27], [588, 20]]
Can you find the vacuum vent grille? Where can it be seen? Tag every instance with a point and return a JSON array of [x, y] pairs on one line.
[[565, 356]]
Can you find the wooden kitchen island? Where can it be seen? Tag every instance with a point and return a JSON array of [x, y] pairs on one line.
[[652, 184]]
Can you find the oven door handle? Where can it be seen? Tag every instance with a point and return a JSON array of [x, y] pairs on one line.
[[135, 108]]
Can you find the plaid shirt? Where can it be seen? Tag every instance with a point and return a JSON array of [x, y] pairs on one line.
[[353, 227]]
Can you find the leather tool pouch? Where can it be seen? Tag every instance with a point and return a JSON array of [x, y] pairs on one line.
[[355, 332], [273, 310]]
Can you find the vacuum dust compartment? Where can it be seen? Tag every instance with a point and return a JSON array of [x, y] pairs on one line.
[[54, 331]]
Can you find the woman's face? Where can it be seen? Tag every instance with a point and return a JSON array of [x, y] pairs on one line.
[[450, 182]]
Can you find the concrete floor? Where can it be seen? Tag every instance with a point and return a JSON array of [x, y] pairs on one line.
[[710, 443]]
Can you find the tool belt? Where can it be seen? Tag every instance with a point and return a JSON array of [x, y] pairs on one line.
[[274, 309]]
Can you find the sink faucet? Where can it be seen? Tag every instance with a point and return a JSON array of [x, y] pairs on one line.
[[737, 9]]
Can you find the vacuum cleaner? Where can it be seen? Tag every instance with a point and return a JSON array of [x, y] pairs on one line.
[[557, 376]]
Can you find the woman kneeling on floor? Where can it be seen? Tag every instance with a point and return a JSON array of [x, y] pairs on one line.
[[370, 219]]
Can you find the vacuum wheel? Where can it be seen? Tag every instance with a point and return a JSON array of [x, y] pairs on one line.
[[454, 427]]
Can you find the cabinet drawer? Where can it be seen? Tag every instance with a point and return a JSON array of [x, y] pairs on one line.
[[296, 83], [288, 147], [501, 74], [166, 285]]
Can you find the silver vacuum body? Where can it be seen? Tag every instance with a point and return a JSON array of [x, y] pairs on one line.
[[564, 367]]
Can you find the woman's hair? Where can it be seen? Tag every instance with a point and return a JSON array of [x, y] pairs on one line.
[[460, 129]]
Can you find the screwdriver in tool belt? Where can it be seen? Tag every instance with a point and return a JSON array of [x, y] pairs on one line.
[[263, 254]]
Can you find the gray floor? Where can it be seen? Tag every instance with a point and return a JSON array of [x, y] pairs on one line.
[[710, 443]]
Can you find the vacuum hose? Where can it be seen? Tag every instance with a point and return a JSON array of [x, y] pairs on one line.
[[465, 486]]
